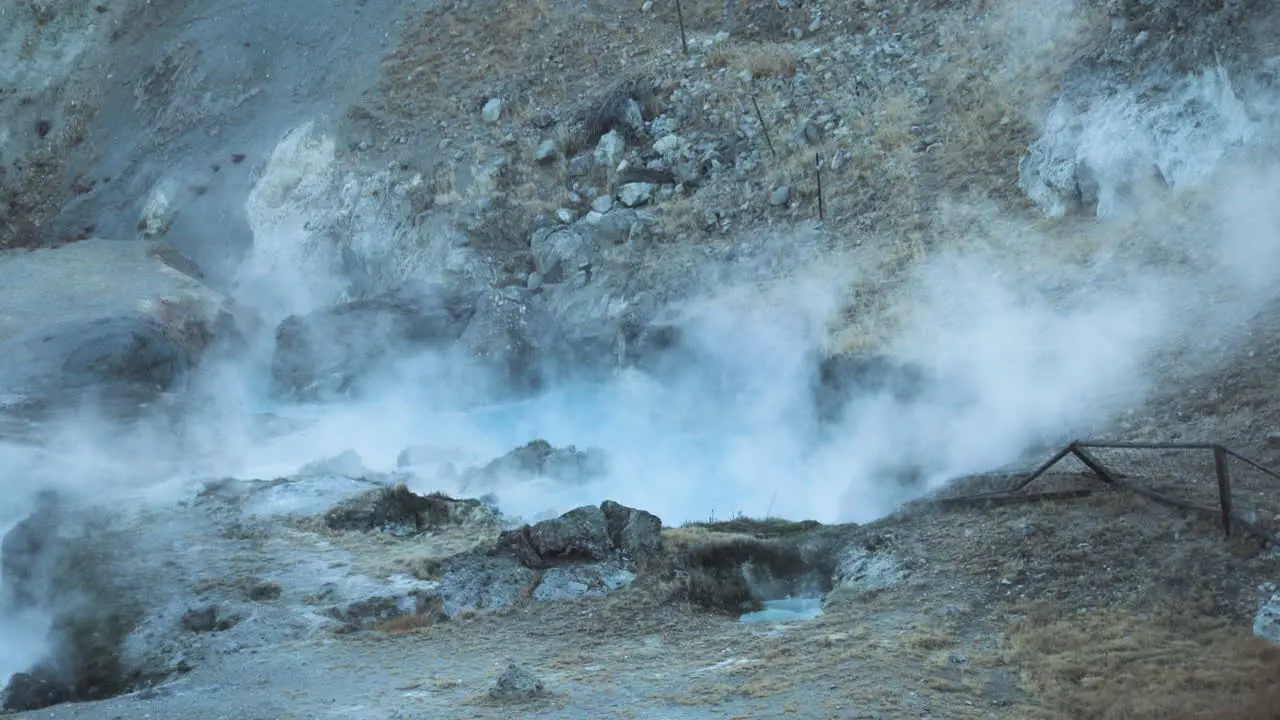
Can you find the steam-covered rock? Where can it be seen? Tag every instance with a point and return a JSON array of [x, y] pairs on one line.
[[1135, 116], [843, 377], [331, 351], [540, 458], [102, 316], [400, 511], [64, 561], [514, 338]]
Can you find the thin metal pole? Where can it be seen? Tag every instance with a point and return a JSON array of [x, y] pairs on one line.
[[817, 164], [684, 44], [763, 128]]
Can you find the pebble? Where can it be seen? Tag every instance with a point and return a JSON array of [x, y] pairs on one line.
[[492, 110]]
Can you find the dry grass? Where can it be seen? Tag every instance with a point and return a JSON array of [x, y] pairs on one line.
[[763, 60], [1117, 664]]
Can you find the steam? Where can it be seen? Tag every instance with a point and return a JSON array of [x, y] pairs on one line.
[[1029, 334]]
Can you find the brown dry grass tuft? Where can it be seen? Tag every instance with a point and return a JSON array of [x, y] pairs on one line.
[[1177, 664], [405, 624], [763, 60]]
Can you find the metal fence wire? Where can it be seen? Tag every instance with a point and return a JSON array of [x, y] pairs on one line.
[[1207, 478]]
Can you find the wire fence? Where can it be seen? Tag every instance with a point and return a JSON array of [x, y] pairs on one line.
[[1206, 478]]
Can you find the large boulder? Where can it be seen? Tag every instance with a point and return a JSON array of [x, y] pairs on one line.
[[102, 315], [585, 534], [331, 351]]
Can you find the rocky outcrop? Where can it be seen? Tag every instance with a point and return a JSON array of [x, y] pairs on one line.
[[102, 316], [540, 458], [399, 511], [329, 352], [1163, 99], [587, 533], [843, 377]]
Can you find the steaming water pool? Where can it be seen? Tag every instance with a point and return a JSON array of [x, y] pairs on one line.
[[671, 452], [786, 610]]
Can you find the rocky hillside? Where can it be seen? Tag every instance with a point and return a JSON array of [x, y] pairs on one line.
[[872, 247]]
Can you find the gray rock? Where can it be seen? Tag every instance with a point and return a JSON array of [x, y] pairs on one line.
[[329, 353], [147, 325], [602, 204], [208, 619], [492, 110], [579, 165], [559, 253], [1266, 623], [566, 215], [517, 685], [614, 228], [780, 196], [636, 193], [687, 172], [1180, 108], [609, 150], [540, 458], [578, 535], [515, 339], [861, 570], [533, 281], [546, 151], [368, 613], [637, 533], [400, 511]]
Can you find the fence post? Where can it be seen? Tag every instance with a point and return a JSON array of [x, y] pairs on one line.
[[1224, 485]]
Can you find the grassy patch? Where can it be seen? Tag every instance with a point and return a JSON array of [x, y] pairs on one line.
[[1176, 664]]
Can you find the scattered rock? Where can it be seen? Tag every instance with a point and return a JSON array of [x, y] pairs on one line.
[[861, 570], [636, 193], [372, 612], [566, 215], [1266, 623], [602, 204], [400, 511], [492, 110], [207, 619], [546, 151], [609, 149], [780, 196], [561, 253], [159, 210], [672, 148], [517, 685], [260, 590]]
